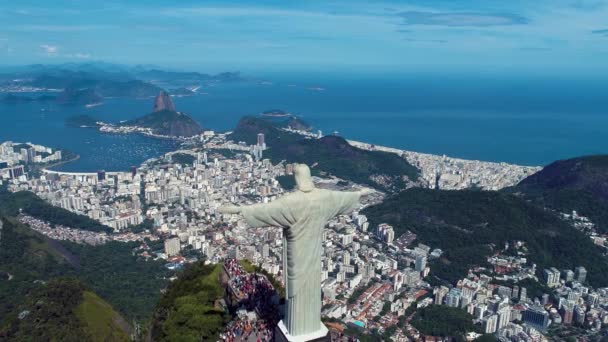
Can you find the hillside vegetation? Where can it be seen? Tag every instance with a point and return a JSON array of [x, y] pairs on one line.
[[63, 310], [330, 154], [100, 319], [27, 257], [469, 225], [188, 311], [167, 122], [129, 283], [579, 184], [443, 321]]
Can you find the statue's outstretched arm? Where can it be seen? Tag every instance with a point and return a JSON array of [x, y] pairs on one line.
[[346, 201], [230, 209], [276, 213]]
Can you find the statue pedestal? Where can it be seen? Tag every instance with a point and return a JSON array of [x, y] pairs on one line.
[[282, 335]]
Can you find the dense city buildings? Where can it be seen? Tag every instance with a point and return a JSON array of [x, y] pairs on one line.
[[370, 276], [16, 158], [443, 172]]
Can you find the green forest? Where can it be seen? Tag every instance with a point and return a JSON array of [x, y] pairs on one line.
[[573, 184], [330, 154], [445, 321], [467, 225], [64, 310], [130, 284], [49, 315], [27, 257], [188, 310]]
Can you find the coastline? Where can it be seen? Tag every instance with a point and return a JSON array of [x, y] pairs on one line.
[[367, 146], [436, 171], [103, 127], [449, 173], [49, 167]]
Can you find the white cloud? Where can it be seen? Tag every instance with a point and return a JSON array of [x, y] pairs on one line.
[[50, 50]]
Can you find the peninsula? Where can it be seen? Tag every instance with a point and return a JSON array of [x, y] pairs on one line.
[[163, 122]]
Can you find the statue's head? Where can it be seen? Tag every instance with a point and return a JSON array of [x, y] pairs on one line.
[[303, 179]]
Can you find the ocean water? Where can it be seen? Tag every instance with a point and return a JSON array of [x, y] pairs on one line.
[[524, 120], [45, 124]]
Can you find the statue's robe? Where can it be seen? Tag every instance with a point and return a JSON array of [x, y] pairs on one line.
[[302, 215]]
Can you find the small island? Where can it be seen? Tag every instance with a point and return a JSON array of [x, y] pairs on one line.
[[167, 123], [84, 121], [275, 113], [163, 122]]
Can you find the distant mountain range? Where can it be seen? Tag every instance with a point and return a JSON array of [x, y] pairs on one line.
[[15, 99], [101, 80], [117, 72]]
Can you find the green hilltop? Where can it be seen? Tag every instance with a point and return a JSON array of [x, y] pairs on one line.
[[64, 310], [331, 154], [188, 310], [579, 184], [168, 122], [111, 271], [471, 225], [101, 320]]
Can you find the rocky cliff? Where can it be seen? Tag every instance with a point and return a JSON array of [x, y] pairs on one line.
[[163, 102]]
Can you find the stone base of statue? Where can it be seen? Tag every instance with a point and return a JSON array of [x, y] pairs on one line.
[[282, 335]]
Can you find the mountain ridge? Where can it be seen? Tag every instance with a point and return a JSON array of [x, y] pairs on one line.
[[579, 184], [330, 154], [468, 225]]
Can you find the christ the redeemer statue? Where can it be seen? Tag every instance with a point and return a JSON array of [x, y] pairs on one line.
[[302, 214]]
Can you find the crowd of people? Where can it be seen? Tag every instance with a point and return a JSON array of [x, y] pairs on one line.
[[242, 329], [256, 296]]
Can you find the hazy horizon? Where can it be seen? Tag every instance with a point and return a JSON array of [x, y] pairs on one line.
[[543, 37]]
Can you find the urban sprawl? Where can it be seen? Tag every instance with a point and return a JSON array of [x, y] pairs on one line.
[[370, 277]]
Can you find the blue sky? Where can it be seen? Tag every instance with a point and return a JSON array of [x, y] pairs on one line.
[[530, 36]]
